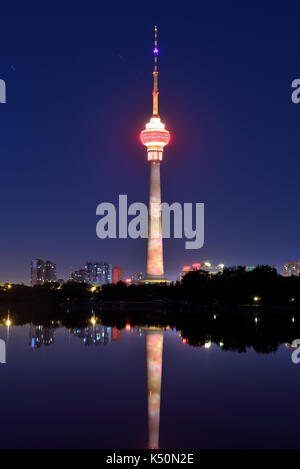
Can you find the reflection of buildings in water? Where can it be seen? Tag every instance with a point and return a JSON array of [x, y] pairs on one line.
[[40, 335], [138, 331], [94, 335], [290, 347], [154, 350], [116, 334]]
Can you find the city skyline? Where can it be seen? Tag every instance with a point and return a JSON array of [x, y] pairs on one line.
[[216, 87], [99, 272]]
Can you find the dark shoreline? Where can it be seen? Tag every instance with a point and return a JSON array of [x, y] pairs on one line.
[[155, 307], [237, 328]]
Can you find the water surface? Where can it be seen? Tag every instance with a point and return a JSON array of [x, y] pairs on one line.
[[100, 387]]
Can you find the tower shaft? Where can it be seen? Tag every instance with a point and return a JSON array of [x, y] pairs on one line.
[[155, 263]]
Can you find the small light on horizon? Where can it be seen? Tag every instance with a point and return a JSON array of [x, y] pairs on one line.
[[93, 320], [8, 322]]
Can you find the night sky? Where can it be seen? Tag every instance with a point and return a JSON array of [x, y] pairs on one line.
[[79, 83]]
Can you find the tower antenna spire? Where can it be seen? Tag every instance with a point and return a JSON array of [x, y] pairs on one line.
[[155, 75]]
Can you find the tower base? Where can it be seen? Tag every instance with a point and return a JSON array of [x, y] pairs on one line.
[[154, 280]]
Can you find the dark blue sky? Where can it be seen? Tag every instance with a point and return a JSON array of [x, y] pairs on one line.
[[79, 85]]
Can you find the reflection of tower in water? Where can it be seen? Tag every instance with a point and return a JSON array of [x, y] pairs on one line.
[[154, 350]]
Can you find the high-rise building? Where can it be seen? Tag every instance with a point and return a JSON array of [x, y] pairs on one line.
[[117, 274], [155, 137], [98, 273], [49, 272], [107, 273], [37, 266], [79, 276], [42, 272], [291, 268], [94, 272]]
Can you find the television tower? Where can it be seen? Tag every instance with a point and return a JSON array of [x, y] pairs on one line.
[[155, 137]]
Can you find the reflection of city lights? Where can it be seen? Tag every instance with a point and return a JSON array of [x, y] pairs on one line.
[[207, 344]]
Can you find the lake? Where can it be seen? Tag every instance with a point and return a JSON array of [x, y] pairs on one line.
[[139, 387]]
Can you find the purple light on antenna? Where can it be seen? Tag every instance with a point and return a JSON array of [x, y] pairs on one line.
[[155, 50]]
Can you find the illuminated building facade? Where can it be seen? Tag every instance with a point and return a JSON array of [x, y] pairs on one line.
[[40, 335], [155, 137], [94, 335], [37, 266], [42, 272], [291, 268], [154, 351], [117, 274], [94, 273], [137, 277], [205, 266], [79, 276], [49, 272], [106, 273]]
